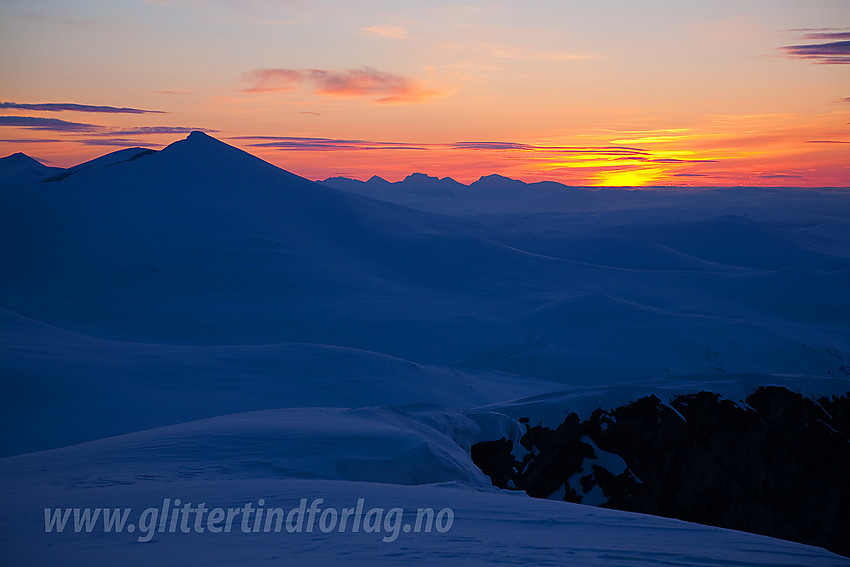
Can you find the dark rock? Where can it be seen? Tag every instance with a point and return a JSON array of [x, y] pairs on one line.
[[494, 458], [778, 465], [555, 456]]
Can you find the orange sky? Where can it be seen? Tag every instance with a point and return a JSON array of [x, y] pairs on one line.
[[587, 93]]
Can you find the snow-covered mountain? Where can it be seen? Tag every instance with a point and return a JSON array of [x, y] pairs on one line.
[[246, 333], [21, 168]]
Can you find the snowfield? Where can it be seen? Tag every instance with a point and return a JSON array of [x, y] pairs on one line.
[[198, 324]]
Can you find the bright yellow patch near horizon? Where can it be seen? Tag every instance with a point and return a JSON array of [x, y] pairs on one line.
[[629, 178]]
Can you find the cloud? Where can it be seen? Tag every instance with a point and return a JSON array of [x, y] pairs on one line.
[[28, 141], [275, 80], [71, 106], [46, 124], [492, 146], [293, 143], [676, 160], [56, 125], [121, 142], [566, 156], [824, 34], [363, 82], [153, 130], [778, 176], [326, 144], [830, 53], [393, 32], [558, 149], [827, 142]]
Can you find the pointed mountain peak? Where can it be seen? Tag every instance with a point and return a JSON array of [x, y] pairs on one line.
[[21, 167], [20, 158], [202, 144], [198, 139], [378, 180], [198, 135]]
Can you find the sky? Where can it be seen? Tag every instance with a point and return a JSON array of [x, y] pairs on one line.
[[584, 92]]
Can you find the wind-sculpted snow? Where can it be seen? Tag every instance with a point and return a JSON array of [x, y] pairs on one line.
[[119, 387], [258, 458], [419, 444]]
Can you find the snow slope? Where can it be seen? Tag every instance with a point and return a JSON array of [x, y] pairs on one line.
[[119, 387], [275, 459]]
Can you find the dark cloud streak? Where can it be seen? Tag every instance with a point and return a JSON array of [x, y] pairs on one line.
[[324, 144], [74, 107], [620, 153], [827, 34], [559, 149], [832, 53], [29, 141], [120, 142], [57, 125], [47, 124], [152, 130]]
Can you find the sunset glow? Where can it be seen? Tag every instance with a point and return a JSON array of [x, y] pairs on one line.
[[585, 93]]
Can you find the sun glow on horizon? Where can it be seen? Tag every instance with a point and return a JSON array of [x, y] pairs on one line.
[[630, 178]]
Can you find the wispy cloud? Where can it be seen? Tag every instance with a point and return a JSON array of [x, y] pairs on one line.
[[120, 142], [394, 32], [778, 176], [293, 143], [46, 124], [274, 80], [492, 146], [152, 130], [363, 82], [620, 150], [829, 33], [57, 125], [28, 141], [830, 53], [548, 157], [326, 144], [74, 107]]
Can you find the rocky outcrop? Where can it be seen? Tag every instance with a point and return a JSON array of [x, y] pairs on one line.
[[777, 465]]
